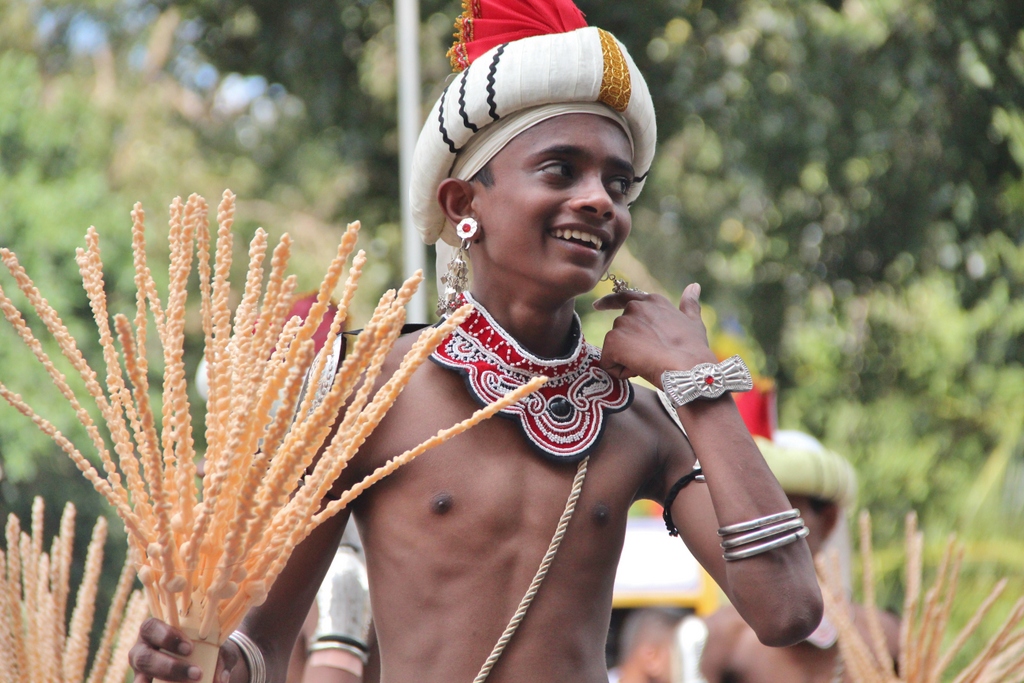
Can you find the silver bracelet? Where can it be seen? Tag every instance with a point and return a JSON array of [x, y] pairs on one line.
[[335, 645], [764, 532], [751, 551], [758, 523], [252, 655], [706, 380]]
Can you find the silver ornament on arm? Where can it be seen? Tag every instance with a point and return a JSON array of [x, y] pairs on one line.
[[706, 380]]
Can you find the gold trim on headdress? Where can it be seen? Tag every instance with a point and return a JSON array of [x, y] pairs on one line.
[[457, 54], [615, 83], [525, 75]]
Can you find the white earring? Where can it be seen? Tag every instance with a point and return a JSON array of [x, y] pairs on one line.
[[467, 228]]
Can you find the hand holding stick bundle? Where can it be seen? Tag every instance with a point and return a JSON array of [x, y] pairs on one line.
[[923, 626], [206, 555], [36, 646]]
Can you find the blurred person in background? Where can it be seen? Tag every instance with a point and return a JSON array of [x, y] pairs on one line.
[[338, 645], [645, 647], [822, 485]]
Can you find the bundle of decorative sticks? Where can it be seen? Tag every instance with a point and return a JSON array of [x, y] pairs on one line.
[[206, 555], [923, 626], [36, 646]]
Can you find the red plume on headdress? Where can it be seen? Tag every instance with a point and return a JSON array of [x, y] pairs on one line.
[[301, 308], [757, 408], [485, 24]]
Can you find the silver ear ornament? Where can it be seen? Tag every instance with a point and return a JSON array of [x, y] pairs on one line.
[[456, 280]]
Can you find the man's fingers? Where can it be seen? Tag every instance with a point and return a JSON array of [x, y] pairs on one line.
[[156, 664], [616, 370], [150, 659], [226, 661], [230, 656], [620, 372], [161, 636], [618, 301], [689, 303]]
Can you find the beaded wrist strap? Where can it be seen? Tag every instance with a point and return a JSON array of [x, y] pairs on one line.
[[696, 474]]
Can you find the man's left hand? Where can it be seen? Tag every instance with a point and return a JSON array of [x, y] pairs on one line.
[[652, 336]]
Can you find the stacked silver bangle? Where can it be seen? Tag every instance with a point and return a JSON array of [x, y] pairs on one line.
[[747, 539], [252, 655], [350, 645]]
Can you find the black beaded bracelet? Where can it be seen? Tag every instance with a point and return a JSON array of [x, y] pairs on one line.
[[697, 474]]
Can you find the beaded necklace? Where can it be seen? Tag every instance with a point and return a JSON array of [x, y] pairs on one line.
[[565, 419]]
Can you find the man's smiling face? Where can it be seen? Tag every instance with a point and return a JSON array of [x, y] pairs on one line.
[[557, 210]]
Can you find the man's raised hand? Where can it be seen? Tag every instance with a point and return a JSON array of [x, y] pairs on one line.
[[652, 336]]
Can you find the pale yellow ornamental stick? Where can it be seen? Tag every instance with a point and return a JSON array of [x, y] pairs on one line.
[[923, 626], [36, 645], [207, 553]]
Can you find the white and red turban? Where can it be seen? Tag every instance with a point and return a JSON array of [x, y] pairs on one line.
[[522, 62]]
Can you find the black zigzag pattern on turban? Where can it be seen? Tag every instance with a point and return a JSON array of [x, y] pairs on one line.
[[490, 82]]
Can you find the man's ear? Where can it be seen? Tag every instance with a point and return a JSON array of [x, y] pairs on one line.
[[455, 198]]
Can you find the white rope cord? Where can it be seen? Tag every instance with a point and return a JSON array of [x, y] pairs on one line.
[[545, 564]]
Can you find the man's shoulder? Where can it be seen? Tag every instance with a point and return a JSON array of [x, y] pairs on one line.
[[403, 344], [647, 406], [652, 418]]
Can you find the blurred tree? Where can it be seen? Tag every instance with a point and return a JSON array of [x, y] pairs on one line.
[[96, 112], [844, 179], [926, 398], [846, 148], [799, 144]]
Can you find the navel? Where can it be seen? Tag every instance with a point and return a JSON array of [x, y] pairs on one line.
[[442, 503], [601, 513]]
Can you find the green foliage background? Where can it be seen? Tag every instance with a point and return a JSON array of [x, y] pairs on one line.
[[844, 179]]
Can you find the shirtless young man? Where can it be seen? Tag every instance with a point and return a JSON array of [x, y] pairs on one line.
[[454, 539], [819, 483]]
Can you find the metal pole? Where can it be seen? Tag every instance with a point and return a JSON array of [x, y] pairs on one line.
[[407, 34]]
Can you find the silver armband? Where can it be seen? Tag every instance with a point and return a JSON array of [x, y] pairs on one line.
[[706, 380], [344, 605], [758, 523], [777, 542], [747, 539]]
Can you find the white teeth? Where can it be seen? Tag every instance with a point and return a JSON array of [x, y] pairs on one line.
[[578, 235]]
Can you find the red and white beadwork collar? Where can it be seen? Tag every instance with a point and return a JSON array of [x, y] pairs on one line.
[[565, 419]]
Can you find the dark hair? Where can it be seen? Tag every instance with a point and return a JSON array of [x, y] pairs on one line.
[[484, 176], [819, 504]]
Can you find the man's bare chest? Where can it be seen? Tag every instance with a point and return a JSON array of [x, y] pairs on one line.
[[490, 479]]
